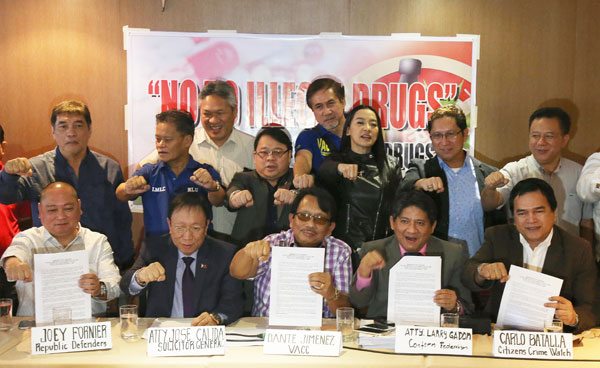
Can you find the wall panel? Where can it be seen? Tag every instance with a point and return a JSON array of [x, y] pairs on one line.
[[532, 52]]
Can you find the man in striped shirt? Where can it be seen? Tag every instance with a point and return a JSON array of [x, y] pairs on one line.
[[311, 225]]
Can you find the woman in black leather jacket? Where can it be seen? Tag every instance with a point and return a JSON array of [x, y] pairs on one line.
[[362, 178]]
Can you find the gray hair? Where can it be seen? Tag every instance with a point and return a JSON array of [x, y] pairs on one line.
[[222, 89]]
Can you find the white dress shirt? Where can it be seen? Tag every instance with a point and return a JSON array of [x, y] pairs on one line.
[[570, 210], [38, 240], [588, 189], [533, 259]]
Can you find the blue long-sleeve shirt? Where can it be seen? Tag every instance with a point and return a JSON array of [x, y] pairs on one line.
[[98, 179]]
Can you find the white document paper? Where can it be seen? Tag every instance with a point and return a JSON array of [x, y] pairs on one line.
[[522, 305], [292, 302], [56, 280], [412, 285]]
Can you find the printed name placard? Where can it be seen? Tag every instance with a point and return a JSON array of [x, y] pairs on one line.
[[186, 341], [69, 338], [434, 340], [533, 345], [302, 342]]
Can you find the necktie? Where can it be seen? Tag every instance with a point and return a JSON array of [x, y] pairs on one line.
[[413, 254], [187, 288]]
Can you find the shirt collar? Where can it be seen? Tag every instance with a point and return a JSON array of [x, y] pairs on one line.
[[466, 163], [49, 238], [289, 238], [191, 164], [181, 255], [62, 159], [544, 244], [403, 251], [201, 137], [541, 168]]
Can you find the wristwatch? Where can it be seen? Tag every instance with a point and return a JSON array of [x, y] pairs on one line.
[[216, 318], [103, 291], [217, 188]]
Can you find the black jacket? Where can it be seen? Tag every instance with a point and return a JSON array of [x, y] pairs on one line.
[[363, 204]]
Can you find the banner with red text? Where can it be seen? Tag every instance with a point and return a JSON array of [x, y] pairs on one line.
[[405, 77]]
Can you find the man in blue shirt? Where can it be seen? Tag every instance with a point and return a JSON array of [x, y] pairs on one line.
[[454, 179], [325, 97], [93, 175], [186, 273], [175, 172]]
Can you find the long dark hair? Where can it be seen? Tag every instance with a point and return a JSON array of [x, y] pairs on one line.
[[378, 148]]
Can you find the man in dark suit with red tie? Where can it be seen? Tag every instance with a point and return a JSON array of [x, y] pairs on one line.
[[186, 273]]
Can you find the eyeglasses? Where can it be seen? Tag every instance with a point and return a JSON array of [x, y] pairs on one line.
[[448, 135], [179, 230], [548, 137], [318, 219], [275, 153]]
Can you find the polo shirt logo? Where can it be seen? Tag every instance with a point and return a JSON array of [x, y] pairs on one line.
[[159, 189], [323, 147]]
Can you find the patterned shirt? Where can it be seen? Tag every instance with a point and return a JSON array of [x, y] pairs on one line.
[[337, 263], [466, 213]]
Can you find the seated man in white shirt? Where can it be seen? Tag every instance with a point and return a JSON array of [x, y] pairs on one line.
[[60, 210]]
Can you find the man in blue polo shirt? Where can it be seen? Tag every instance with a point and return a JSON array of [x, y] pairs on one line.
[[325, 97], [175, 172]]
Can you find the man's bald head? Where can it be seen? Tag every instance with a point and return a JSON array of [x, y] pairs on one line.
[[60, 211], [59, 186]]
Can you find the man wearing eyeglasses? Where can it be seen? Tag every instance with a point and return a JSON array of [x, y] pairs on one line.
[[548, 135], [310, 226], [186, 273], [262, 197], [454, 179], [175, 172]]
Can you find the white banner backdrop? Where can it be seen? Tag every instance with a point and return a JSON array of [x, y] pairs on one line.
[[405, 77]]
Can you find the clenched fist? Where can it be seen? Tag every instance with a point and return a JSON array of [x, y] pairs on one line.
[[495, 180], [136, 185], [153, 272], [16, 270], [19, 166], [348, 171], [371, 261], [259, 250], [433, 184], [203, 178], [241, 198], [304, 181], [284, 196]]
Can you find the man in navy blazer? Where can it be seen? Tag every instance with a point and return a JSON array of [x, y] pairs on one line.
[[186, 273]]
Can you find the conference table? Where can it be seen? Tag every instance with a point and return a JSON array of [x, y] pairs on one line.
[[15, 351]]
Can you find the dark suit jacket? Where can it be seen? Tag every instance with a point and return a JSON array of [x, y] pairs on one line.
[[569, 258], [375, 296], [216, 291], [420, 168], [250, 222]]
